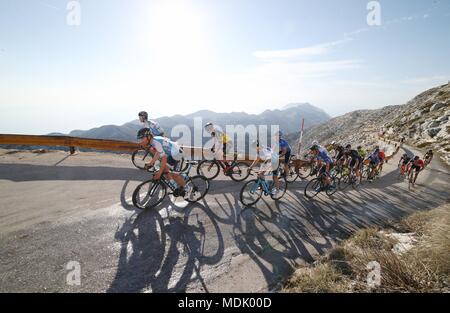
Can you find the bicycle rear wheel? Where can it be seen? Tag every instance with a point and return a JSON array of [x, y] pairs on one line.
[[312, 188], [209, 169], [149, 194], [239, 172], [291, 175], [196, 188], [333, 187], [281, 189], [304, 171], [251, 192]]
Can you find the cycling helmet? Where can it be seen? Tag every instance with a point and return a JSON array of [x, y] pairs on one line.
[[348, 146], [315, 143], [143, 132], [359, 147], [405, 155], [430, 151], [209, 127], [333, 143], [416, 157], [255, 144], [143, 114]]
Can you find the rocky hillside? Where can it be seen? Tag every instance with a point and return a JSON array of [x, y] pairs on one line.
[[423, 122]]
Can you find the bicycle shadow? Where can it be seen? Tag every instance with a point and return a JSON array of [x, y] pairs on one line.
[[152, 248]]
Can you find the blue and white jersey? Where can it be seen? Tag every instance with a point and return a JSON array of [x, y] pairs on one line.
[[284, 144], [374, 157], [269, 157], [165, 146], [324, 155]]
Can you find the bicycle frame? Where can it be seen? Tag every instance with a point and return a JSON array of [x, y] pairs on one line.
[[263, 183]]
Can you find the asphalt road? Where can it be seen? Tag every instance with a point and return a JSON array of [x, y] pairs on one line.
[[55, 209]]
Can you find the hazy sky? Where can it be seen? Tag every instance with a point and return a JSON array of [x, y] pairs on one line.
[[176, 57]]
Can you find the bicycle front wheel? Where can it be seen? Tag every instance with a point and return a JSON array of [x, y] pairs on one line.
[[313, 188], [149, 194], [209, 169], [281, 189], [196, 188], [251, 192], [239, 172]]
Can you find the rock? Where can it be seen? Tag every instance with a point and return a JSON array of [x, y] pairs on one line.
[[437, 106], [433, 124], [433, 132], [443, 118]]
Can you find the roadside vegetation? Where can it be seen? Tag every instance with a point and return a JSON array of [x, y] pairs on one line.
[[413, 255]]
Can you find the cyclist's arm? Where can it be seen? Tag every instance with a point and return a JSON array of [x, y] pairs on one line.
[[162, 167]]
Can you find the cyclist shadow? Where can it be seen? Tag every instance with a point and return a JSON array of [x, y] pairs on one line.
[[164, 254]]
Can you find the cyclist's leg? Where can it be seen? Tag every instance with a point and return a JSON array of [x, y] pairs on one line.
[[172, 175]]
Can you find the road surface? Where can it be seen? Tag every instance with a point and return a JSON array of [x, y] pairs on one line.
[[56, 209]]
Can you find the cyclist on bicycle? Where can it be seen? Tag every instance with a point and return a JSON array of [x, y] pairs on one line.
[[362, 152], [270, 161], [325, 160], [338, 150], [221, 141], [428, 157], [404, 160], [154, 127], [374, 160], [416, 164], [168, 152], [285, 151], [353, 160]]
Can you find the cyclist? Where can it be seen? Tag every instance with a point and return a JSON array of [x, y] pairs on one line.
[[338, 150], [382, 160], [285, 151], [353, 160], [270, 161], [221, 141], [168, 152], [428, 157], [374, 160], [416, 164], [362, 152], [155, 128], [404, 162], [324, 158]]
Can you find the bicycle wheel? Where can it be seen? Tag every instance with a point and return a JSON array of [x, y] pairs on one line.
[[196, 188], [209, 169], [304, 171], [281, 189], [140, 157], [149, 194], [291, 175], [343, 182], [312, 188], [251, 192], [333, 187], [239, 172]]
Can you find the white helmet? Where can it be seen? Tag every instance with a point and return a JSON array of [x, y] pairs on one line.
[[333, 143], [209, 127], [315, 143], [255, 144]]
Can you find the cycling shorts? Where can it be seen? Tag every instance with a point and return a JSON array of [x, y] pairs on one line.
[[416, 167]]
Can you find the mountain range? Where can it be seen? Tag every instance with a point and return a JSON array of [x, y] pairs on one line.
[[288, 118]]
